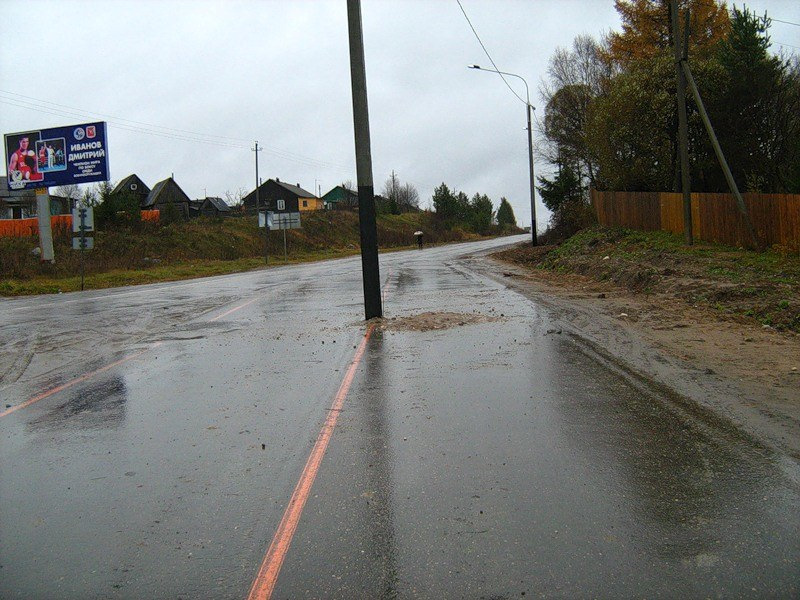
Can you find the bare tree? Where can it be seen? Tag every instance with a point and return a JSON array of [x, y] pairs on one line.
[[350, 200], [236, 198], [408, 198], [71, 191], [576, 77], [401, 197]]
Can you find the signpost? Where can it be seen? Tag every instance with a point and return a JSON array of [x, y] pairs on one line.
[[286, 220], [265, 223], [82, 222]]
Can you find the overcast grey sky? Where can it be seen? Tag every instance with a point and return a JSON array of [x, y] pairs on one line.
[[278, 72]]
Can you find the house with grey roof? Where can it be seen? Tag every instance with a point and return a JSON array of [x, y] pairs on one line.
[[212, 206], [295, 198], [133, 185], [166, 193]]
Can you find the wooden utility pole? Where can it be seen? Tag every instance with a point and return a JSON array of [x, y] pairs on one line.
[[720, 156], [366, 194], [685, 77], [683, 128]]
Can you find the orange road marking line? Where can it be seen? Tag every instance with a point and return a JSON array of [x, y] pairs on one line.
[[267, 576], [75, 381], [234, 309]]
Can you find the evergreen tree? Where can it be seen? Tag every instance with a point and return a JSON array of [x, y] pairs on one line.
[[505, 214], [756, 116], [444, 203], [480, 213], [563, 196]]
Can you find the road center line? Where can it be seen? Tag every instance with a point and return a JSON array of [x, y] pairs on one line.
[[77, 380], [267, 576], [234, 309]]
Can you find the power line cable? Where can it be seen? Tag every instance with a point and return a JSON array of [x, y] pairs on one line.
[[785, 22], [489, 56], [122, 118], [54, 108]]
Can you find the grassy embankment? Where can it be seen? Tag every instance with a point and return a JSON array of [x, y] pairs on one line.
[[151, 252], [738, 283]]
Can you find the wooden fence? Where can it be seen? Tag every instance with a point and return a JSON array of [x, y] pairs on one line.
[[715, 217], [30, 227]]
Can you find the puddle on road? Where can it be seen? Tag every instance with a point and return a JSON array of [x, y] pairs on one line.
[[432, 321]]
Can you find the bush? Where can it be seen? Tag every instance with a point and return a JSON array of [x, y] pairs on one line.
[[118, 209]]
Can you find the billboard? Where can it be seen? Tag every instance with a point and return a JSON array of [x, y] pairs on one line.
[[57, 156]]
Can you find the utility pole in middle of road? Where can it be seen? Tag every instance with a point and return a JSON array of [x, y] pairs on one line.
[[370, 270]]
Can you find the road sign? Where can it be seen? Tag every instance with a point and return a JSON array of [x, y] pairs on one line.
[[57, 156], [82, 243], [285, 220], [262, 215], [83, 214]]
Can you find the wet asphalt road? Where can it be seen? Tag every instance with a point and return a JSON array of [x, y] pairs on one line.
[[169, 425]]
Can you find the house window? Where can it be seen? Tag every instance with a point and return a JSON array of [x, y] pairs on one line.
[[281, 205], [305, 203]]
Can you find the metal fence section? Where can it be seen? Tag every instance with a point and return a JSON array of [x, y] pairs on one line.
[[715, 217]]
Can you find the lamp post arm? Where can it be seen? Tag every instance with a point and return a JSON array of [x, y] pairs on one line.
[[531, 178]]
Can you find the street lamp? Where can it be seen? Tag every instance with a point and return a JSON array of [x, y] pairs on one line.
[[530, 143]]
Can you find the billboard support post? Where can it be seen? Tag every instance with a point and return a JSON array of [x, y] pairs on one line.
[[82, 213], [45, 226]]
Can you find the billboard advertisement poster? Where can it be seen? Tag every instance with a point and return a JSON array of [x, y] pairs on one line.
[[57, 156]]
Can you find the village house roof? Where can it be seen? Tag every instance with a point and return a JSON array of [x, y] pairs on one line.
[[164, 192], [131, 183]]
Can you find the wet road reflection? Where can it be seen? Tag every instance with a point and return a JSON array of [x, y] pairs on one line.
[[703, 493], [380, 480], [487, 460]]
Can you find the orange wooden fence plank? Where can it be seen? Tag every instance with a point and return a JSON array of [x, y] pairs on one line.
[[715, 216]]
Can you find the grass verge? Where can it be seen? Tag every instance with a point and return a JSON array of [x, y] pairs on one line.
[[738, 283]]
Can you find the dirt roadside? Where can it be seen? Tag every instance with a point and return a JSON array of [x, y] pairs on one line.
[[741, 370]]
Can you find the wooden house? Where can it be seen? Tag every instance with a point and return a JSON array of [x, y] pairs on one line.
[[272, 191], [340, 198], [166, 193], [133, 185], [214, 207]]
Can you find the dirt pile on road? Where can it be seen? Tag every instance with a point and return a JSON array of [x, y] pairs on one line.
[[432, 321]]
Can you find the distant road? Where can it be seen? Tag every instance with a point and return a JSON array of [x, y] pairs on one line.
[[250, 435]]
